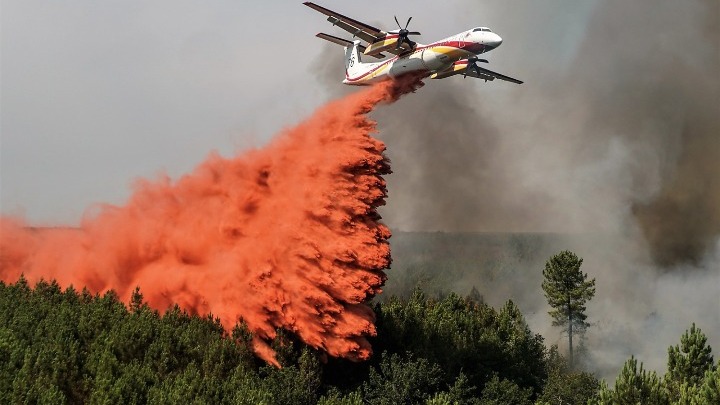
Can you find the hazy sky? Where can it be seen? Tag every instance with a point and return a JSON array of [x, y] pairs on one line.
[[95, 94]]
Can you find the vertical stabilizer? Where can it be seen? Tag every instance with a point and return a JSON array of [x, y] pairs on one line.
[[353, 64]]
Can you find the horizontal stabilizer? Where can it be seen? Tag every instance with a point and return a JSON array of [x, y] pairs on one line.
[[345, 42]]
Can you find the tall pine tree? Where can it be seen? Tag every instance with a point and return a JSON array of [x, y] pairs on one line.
[[567, 290], [688, 362]]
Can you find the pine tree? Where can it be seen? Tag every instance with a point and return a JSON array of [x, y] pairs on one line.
[[567, 290], [688, 362], [638, 386], [710, 390], [136, 300]]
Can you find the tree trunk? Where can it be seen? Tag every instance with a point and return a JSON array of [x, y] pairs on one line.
[[570, 331]]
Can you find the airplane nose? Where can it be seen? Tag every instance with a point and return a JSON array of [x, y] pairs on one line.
[[495, 40]]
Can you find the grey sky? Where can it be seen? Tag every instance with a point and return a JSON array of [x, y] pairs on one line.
[[97, 93]]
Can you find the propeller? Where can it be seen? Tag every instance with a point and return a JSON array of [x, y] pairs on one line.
[[403, 34], [472, 65]]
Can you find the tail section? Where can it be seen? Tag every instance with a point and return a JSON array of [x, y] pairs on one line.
[[353, 64], [356, 72]]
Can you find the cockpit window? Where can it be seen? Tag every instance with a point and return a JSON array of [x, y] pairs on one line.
[[481, 29]]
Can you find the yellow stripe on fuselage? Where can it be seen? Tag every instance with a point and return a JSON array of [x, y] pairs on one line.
[[451, 52]]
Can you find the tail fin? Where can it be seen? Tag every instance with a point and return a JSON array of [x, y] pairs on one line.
[[352, 59]]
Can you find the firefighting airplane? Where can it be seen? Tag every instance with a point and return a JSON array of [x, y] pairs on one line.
[[448, 57]]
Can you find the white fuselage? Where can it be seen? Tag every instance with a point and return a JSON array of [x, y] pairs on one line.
[[433, 58]]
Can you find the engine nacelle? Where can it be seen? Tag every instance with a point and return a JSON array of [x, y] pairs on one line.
[[389, 42], [407, 64], [434, 60]]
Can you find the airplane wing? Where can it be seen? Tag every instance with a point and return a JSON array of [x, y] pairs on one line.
[[487, 74], [345, 42], [459, 68], [366, 32]]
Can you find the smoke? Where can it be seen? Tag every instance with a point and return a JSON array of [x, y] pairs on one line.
[[612, 145], [283, 237], [663, 102]]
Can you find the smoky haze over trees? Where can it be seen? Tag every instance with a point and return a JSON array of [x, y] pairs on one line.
[[613, 139]]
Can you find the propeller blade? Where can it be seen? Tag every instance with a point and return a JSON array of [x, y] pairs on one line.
[[413, 33], [408, 23], [397, 22]]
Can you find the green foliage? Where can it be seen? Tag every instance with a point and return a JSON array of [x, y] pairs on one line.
[[634, 386], [638, 385], [692, 378], [441, 398], [565, 386], [336, 398], [461, 392], [567, 290], [296, 383], [68, 347], [710, 389], [71, 347], [401, 381], [688, 363], [501, 392], [463, 335]]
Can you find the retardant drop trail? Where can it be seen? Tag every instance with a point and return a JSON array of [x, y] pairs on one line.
[[283, 237]]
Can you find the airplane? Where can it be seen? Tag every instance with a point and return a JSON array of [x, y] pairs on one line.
[[454, 55]]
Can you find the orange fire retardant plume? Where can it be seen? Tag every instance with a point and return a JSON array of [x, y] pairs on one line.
[[283, 237]]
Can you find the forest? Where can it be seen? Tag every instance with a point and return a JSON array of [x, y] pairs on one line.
[[71, 347]]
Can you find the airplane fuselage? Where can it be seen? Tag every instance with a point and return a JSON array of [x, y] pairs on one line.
[[436, 57]]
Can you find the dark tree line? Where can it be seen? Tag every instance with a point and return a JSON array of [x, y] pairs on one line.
[[71, 347]]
